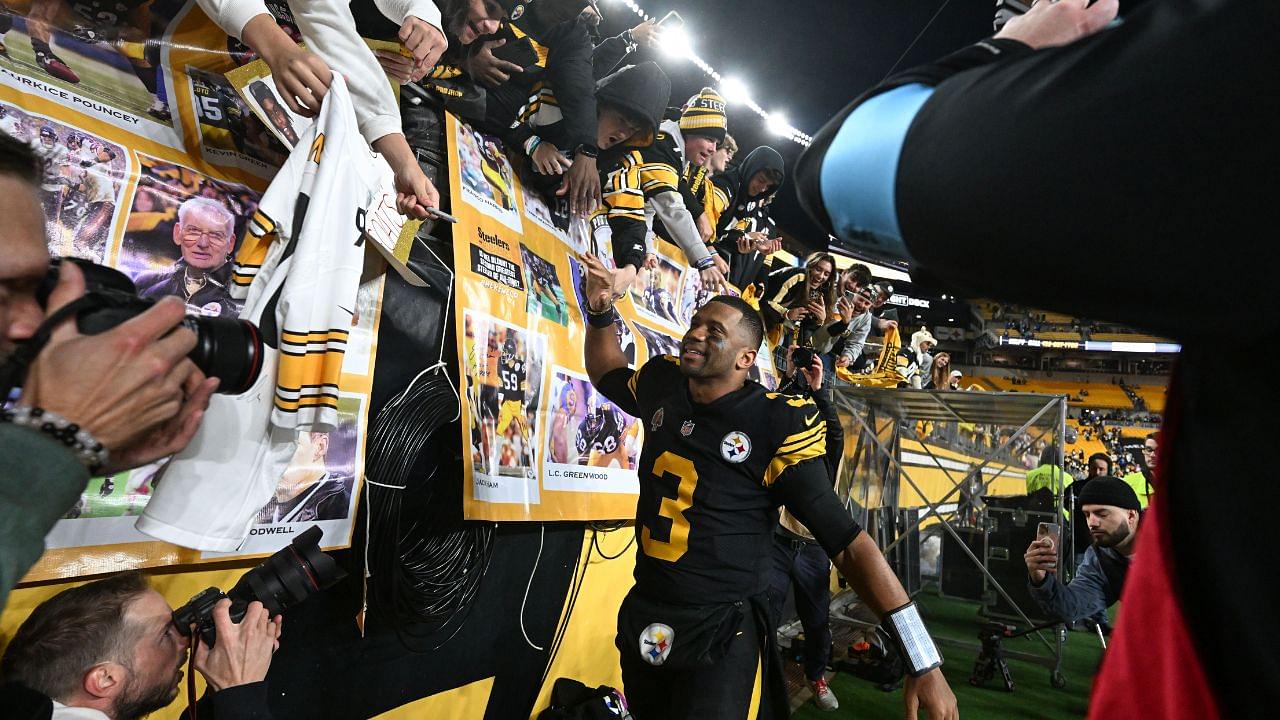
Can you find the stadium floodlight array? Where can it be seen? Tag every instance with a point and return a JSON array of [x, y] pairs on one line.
[[677, 44]]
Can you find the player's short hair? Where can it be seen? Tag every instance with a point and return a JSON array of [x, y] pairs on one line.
[[73, 631], [750, 321], [19, 160]]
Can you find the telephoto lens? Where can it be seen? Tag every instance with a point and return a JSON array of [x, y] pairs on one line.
[[227, 348], [283, 580]]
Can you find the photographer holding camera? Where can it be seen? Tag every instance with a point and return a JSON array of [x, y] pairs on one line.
[[89, 403], [109, 650]]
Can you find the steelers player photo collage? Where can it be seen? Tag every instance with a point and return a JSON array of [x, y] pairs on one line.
[[230, 132], [488, 180], [84, 177], [99, 57], [591, 444], [503, 366]]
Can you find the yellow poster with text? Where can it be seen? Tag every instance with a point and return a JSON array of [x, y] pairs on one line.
[[540, 443]]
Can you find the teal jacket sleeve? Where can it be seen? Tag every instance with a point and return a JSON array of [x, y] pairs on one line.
[[39, 481]]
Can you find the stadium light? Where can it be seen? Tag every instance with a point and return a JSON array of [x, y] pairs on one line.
[[778, 125], [735, 91], [676, 43]]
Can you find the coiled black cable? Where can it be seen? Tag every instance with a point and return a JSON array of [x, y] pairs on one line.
[[425, 565]]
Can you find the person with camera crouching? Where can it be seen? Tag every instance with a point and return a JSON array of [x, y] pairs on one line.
[[109, 650], [1111, 508], [89, 403]]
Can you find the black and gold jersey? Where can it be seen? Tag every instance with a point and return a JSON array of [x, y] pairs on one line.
[[712, 477], [511, 375], [641, 174]]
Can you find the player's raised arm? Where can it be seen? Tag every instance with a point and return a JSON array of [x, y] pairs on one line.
[[602, 351]]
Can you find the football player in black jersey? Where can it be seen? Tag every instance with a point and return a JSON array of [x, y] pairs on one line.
[[720, 455]]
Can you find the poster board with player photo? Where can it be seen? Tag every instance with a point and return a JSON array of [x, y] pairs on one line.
[[149, 172], [541, 443]]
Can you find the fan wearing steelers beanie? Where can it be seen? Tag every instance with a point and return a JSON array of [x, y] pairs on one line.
[[648, 190]]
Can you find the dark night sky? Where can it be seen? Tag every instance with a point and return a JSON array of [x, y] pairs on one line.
[[806, 58]]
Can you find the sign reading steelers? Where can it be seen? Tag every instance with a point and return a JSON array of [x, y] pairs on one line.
[[735, 447]]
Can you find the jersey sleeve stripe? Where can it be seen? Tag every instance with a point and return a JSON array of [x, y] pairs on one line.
[[799, 439], [780, 462]]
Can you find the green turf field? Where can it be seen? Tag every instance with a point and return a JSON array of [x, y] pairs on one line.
[[115, 504], [1032, 699], [117, 88]]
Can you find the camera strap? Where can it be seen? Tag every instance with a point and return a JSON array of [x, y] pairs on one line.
[[13, 372], [191, 676]]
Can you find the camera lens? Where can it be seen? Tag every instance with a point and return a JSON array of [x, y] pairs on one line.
[[229, 349], [287, 577]]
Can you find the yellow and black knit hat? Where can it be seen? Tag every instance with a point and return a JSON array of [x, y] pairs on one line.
[[704, 115]]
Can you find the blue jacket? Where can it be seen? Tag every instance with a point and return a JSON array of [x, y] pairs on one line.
[[1097, 586]]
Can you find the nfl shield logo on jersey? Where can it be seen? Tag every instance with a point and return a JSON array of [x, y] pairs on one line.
[[735, 447], [655, 643], [687, 428]]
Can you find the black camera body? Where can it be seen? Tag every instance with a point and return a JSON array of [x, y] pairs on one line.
[[227, 348], [283, 580], [802, 357]]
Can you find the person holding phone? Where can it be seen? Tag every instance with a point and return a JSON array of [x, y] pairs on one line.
[[1113, 514]]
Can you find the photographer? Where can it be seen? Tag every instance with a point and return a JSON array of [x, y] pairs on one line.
[[1111, 509], [108, 650], [801, 299], [131, 393], [798, 559]]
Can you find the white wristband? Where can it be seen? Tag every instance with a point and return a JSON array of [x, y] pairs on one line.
[[919, 653]]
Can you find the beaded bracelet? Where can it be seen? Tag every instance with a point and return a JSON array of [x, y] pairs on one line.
[[91, 453]]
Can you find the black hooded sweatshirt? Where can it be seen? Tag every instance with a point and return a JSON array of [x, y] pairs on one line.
[[743, 214]]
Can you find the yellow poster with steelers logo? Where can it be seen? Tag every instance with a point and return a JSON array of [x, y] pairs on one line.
[[540, 442]]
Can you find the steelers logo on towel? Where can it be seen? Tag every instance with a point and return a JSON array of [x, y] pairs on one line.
[[655, 643], [735, 447]]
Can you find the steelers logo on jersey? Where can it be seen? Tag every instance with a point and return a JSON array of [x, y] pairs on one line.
[[735, 447], [655, 643]]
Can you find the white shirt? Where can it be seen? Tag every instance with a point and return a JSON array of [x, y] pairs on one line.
[[62, 712], [329, 30]]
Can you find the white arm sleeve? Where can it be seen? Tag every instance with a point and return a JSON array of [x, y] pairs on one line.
[[232, 15], [397, 10], [330, 32], [669, 208]]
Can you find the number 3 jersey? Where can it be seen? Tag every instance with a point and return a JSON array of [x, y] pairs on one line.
[[712, 477]]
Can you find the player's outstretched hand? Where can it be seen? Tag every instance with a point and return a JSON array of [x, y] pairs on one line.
[[931, 693], [600, 289]]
